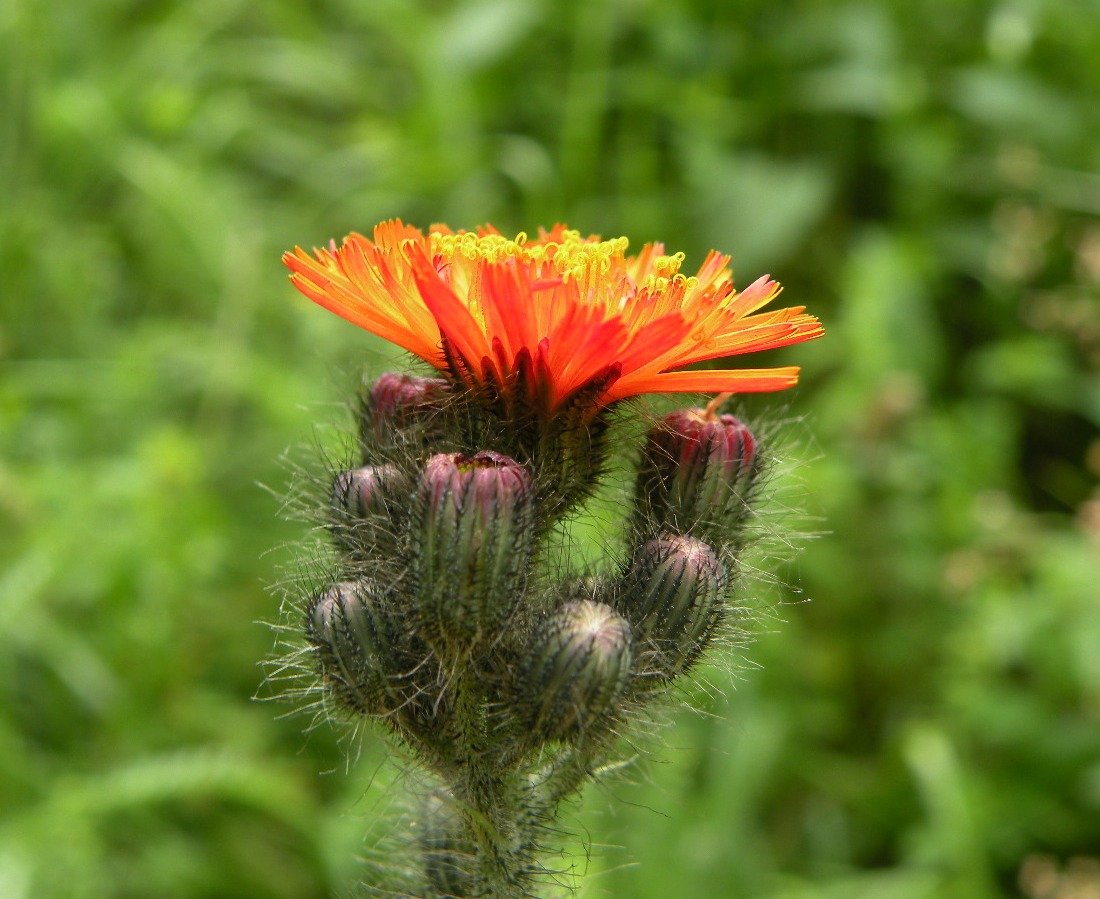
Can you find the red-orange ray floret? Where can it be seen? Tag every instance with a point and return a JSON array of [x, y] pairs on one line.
[[579, 310]]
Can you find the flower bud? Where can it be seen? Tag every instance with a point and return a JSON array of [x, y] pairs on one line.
[[471, 542], [367, 491], [396, 402], [347, 630], [368, 505], [673, 595], [577, 671], [698, 473]]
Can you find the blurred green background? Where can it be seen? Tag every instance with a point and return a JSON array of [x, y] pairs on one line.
[[924, 175]]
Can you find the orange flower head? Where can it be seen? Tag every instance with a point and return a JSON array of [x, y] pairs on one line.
[[537, 323]]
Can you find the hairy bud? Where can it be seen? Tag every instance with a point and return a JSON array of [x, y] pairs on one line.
[[577, 670], [367, 507], [367, 491], [697, 474], [471, 543], [673, 595], [347, 630], [396, 402]]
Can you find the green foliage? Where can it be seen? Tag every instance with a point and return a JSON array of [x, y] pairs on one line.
[[921, 175]]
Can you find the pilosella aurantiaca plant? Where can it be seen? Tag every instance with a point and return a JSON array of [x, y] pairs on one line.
[[509, 679]]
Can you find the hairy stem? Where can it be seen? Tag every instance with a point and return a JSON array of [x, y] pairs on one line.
[[498, 830], [489, 846]]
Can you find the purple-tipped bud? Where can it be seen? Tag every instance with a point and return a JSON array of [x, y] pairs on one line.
[[344, 625], [397, 401], [673, 595], [577, 671], [368, 491], [698, 471], [472, 538], [369, 509]]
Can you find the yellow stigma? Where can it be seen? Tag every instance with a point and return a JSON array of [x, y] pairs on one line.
[[658, 284], [665, 266], [573, 257]]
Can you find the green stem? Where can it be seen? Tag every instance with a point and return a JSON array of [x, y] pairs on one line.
[[498, 829], [483, 844]]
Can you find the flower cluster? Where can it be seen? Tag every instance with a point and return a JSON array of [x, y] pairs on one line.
[[509, 677]]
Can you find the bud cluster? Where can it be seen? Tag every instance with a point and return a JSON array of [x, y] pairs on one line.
[[443, 622]]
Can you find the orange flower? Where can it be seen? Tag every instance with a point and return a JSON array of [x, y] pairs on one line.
[[538, 320]]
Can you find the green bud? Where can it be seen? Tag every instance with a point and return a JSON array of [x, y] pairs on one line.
[[577, 671], [348, 633], [369, 507], [672, 593], [698, 474], [471, 543], [368, 491]]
